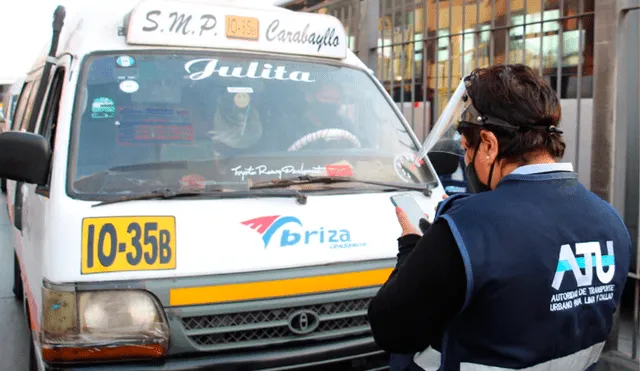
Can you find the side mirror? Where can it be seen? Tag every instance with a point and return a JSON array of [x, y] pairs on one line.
[[24, 157], [445, 163]]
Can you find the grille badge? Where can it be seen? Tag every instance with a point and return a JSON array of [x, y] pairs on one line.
[[303, 322]]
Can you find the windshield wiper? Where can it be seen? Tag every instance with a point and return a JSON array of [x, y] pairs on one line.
[[263, 189], [309, 179], [153, 195], [168, 194], [122, 169]]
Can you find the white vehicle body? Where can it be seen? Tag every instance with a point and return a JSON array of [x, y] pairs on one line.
[[339, 246]]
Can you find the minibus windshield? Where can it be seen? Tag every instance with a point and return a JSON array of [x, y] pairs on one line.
[[193, 119]]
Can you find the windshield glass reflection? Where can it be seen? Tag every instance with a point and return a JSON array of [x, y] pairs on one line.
[[170, 121]]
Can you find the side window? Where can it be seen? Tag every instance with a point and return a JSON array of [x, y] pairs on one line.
[[50, 116], [22, 105], [31, 110]]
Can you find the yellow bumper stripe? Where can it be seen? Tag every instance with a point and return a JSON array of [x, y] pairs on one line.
[[277, 288]]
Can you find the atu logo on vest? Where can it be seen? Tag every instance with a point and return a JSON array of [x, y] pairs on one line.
[[591, 257]]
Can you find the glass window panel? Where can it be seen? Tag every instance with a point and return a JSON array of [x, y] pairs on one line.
[[443, 45], [517, 7], [418, 43]]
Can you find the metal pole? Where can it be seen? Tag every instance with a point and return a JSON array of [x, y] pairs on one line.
[[403, 53], [507, 16], [436, 48], [524, 34], [368, 36], [604, 98], [477, 38], [492, 39], [579, 82], [425, 70], [560, 59], [393, 45], [413, 69], [464, 36], [541, 54], [450, 52]]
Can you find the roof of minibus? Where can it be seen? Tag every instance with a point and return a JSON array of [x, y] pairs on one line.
[[93, 26]]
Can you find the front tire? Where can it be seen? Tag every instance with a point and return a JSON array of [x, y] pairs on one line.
[[18, 288]]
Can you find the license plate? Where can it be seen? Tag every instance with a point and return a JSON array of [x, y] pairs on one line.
[[244, 28], [136, 243]]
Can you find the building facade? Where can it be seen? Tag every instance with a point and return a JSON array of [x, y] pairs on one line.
[[424, 47]]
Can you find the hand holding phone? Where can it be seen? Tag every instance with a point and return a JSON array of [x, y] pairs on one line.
[[415, 215]]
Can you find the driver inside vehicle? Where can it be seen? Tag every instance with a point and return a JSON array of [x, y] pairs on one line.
[[225, 125], [236, 125], [323, 108]]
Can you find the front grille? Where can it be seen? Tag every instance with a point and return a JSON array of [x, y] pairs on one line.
[[272, 326]]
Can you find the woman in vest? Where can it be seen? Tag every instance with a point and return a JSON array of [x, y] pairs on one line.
[[524, 273]]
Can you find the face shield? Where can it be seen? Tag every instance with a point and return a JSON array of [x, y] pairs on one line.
[[444, 136]]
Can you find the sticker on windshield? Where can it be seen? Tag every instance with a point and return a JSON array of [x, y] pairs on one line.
[[150, 125], [125, 61], [129, 86], [192, 182], [263, 170], [241, 100], [199, 69], [126, 74], [103, 108], [238, 89], [339, 169], [404, 165]]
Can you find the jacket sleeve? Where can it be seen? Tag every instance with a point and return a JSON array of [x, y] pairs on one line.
[[422, 295]]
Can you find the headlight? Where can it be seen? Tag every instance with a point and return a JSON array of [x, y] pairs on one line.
[[119, 314], [126, 323]]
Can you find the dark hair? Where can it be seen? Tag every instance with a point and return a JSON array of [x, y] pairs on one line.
[[516, 94]]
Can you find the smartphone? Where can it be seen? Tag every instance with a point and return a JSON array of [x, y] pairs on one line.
[[407, 203]]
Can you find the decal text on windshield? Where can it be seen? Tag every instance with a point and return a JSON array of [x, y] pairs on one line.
[[199, 69]]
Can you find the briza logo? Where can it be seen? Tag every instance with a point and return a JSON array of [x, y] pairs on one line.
[[285, 231]]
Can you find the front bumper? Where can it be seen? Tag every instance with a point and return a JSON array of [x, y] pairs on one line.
[[357, 354], [266, 334]]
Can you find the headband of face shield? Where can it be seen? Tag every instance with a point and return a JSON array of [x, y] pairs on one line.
[[460, 112], [471, 116]]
